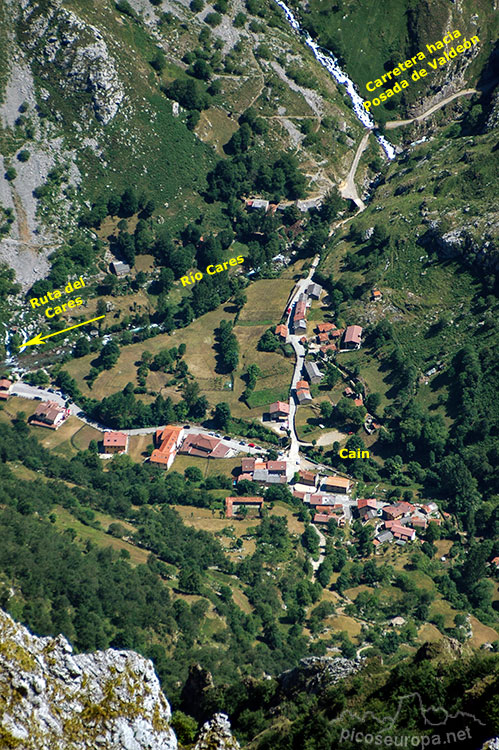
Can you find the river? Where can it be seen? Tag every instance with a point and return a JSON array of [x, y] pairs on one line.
[[328, 61]]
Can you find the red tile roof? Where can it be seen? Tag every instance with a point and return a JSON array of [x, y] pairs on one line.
[[353, 335], [278, 466], [243, 476], [247, 464], [202, 445], [367, 503], [325, 327], [115, 439], [279, 406]]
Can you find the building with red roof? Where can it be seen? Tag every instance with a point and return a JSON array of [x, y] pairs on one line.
[[325, 327], [282, 331], [353, 337], [233, 504], [204, 446], [115, 442], [279, 410], [167, 441], [49, 414], [5, 386]]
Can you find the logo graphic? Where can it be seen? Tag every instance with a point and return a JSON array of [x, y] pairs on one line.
[[437, 726]]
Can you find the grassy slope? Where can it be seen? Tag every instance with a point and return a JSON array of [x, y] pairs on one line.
[[369, 42], [200, 354]]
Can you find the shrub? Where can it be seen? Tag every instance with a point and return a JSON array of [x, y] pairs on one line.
[[221, 6], [213, 19], [124, 7], [23, 155], [240, 20], [10, 174], [196, 6]]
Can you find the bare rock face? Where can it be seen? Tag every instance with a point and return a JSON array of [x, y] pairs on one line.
[[216, 735], [72, 55], [315, 673], [53, 699]]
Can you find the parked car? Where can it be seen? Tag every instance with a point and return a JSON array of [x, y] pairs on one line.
[[217, 435], [187, 427], [227, 437], [241, 442], [251, 445]]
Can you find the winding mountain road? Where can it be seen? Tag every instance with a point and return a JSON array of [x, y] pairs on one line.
[[391, 124]]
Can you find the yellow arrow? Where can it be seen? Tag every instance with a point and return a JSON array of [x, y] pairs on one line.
[[39, 339]]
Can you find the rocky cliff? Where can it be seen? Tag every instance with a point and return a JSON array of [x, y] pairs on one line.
[[53, 699]]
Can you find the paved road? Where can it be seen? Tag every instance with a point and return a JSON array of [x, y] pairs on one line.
[[398, 123], [301, 286], [30, 392]]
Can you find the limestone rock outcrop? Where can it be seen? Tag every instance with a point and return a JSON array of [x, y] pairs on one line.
[[53, 699], [74, 56], [215, 734]]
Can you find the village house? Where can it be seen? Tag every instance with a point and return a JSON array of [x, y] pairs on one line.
[[366, 508], [204, 446], [5, 386], [383, 537], [402, 532], [314, 290], [244, 477], [313, 372], [264, 472], [49, 414], [376, 295], [353, 337], [300, 315], [279, 411], [337, 333], [322, 338], [325, 327], [282, 331], [258, 204], [306, 477], [119, 268], [391, 512], [418, 523], [303, 392], [115, 442], [167, 440], [336, 484], [233, 504]]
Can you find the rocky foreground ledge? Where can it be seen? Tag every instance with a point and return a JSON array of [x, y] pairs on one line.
[[53, 699]]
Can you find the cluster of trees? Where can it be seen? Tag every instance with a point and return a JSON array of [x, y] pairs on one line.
[[98, 600], [252, 374], [228, 347], [268, 341], [248, 172]]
